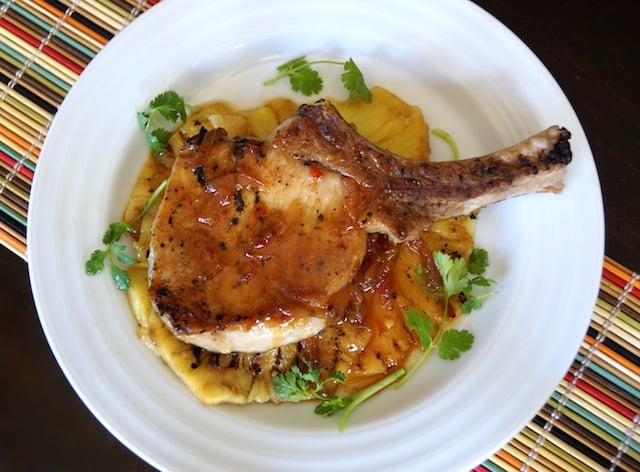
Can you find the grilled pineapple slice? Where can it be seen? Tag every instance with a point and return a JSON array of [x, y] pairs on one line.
[[389, 122], [257, 122], [212, 378], [363, 353]]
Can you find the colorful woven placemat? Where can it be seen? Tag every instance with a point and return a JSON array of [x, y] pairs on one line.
[[592, 420]]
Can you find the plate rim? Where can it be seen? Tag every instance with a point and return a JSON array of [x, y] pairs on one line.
[[36, 282]]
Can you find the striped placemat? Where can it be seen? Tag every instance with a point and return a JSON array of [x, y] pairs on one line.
[[44, 46], [591, 422]]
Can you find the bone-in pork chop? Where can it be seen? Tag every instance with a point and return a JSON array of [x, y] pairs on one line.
[[254, 239]]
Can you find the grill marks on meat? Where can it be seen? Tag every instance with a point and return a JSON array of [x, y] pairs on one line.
[[407, 195], [255, 240]]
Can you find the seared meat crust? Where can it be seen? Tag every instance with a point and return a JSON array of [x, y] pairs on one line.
[[255, 240], [409, 195]]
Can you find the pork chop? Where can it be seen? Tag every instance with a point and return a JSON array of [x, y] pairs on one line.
[[254, 240]]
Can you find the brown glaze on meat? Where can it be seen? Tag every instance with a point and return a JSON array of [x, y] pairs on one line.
[[247, 248], [255, 240]]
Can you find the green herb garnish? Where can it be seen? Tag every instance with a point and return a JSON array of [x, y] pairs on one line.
[[456, 280], [168, 107], [478, 263], [115, 253], [306, 80], [442, 134], [331, 405], [353, 81], [295, 385]]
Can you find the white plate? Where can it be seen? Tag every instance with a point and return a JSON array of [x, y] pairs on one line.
[[473, 78]]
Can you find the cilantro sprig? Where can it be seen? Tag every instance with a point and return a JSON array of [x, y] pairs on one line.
[[333, 404], [115, 253], [458, 278], [166, 108], [306, 80], [296, 385], [478, 263]]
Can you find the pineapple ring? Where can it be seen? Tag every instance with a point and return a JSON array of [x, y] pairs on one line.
[[365, 353]]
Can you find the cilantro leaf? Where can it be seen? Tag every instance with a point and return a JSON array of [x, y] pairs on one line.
[[166, 108], [353, 81], [120, 277], [422, 325], [478, 261], [296, 385], [170, 106], [143, 119], [116, 253], [305, 79], [302, 77], [338, 376], [331, 405], [453, 342], [114, 232], [454, 272], [292, 386], [96, 262], [120, 254], [473, 301], [470, 304], [481, 281], [158, 139]]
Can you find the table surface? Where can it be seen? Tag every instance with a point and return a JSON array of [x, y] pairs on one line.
[[590, 47]]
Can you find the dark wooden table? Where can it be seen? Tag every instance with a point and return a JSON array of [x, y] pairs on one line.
[[590, 46]]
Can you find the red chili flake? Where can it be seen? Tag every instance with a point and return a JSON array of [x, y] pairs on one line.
[[316, 172]]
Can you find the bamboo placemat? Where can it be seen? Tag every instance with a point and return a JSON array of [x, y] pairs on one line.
[[592, 420]]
